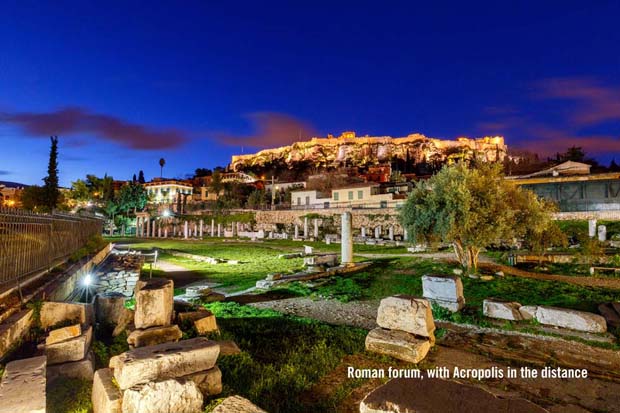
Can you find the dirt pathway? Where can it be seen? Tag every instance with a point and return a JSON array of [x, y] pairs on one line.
[[360, 314], [181, 276]]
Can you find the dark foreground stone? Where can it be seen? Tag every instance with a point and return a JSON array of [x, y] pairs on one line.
[[437, 395]]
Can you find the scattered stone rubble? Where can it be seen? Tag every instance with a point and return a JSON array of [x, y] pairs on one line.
[[320, 265], [68, 349], [66, 354], [110, 308], [237, 404], [406, 328], [169, 377], [154, 303], [203, 320], [23, 386], [444, 290], [552, 316], [160, 373], [123, 272], [202, 258]]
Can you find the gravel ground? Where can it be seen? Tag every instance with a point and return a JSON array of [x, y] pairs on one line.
[[360, 314]]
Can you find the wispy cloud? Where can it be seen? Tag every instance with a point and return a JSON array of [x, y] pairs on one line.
[[592, 104], [271, 130], [72, 121], [4, 172], [595, 102]]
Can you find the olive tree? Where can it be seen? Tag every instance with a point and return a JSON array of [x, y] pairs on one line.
[[473, 208]]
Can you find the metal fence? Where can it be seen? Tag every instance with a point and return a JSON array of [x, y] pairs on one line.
[[31, 243]]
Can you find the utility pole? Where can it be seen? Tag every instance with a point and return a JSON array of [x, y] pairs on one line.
[[273, 193]]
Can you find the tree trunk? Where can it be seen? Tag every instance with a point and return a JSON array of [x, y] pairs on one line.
[[461, 256], [473, 253]]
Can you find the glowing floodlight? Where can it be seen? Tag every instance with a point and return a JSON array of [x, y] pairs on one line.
[[87, 280], [166, 213]]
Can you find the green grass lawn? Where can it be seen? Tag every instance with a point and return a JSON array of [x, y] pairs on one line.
[[282, 357], [402, 275], [389, 276], [256, 259]]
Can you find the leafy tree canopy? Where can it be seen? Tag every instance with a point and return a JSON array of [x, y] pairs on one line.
[[473, 208]]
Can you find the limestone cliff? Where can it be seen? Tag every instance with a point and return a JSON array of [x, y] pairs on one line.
[[364, 151]]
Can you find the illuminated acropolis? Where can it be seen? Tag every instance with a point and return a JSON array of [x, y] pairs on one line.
[[370, 150]]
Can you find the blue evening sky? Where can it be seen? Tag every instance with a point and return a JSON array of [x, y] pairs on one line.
[[125, 83]]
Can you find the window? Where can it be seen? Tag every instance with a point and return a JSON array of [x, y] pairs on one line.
[[336, 196], [350, 195], [298, 200], [360, 194], [307, 200]]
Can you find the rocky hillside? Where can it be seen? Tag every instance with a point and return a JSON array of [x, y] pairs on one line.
[[349, 150]]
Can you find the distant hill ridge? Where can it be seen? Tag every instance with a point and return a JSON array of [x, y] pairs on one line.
[[10, 184]]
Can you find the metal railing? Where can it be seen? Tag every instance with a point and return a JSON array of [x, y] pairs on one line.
[[31, 242]]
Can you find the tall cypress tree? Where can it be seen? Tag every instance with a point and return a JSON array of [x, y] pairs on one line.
[[141, 177], [52, 193]]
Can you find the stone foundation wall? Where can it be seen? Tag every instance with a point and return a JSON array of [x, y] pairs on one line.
[[583, 215], [330, 218]]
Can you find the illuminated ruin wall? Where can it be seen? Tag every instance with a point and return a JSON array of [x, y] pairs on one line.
[[364, 151]]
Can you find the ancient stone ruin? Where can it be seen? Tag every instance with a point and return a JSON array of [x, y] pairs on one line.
[[160, 373], [169, 377], [120, 274], [551, 316], [66, 354], [446, 291], [406, 329]]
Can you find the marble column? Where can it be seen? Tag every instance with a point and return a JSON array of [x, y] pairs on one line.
[[405, 234], [200, 229], [378, 232], [306, 227], [185, 229], [592, 228], [159, 230], [363, 232], [219, 230], [174, 230], [154, 234], [296, 232], [148, 227], [316, 229], [346, 243], [391, 233], [166, 232], [212, 227]]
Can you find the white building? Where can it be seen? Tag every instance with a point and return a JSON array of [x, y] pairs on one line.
[[167, 192], [363, 195]]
